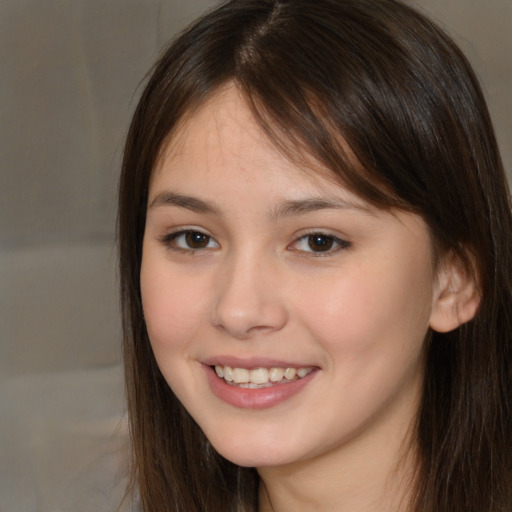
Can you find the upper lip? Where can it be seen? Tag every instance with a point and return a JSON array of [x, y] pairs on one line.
[[253, 362]]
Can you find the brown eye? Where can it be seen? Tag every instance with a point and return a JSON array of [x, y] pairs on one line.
[[196, 240], [189, 240], [320, 243]]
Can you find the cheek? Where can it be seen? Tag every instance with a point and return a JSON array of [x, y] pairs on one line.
[[369, 308], [171, 306]]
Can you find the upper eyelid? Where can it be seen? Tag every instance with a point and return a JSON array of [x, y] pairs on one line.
[[167, 237], [320, 231], [341, 240], [323, 232], [303, 233], [186, 229]]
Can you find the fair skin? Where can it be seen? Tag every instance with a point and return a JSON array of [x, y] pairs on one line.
[[250, 263]]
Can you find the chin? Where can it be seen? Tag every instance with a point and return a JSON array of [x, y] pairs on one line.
[[256, 453], [253, 460]]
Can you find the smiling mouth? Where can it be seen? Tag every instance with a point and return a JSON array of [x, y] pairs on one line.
[[260, 377]]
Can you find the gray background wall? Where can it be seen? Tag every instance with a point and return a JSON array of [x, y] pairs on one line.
[[70, 70]]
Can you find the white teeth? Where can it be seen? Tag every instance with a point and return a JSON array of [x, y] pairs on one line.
[[276, 374], [228, 373], [302, 372], [290, 373], [240, 375], [260, 377]]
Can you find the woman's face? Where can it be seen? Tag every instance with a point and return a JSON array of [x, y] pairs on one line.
[[310, 304]]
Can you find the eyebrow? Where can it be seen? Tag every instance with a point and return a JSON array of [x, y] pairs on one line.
[[183, 201], [286, 209], [303, 206]]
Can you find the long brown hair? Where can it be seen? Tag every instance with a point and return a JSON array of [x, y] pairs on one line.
[[406, 101]]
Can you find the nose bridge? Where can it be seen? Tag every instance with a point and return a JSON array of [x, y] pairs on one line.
[[248, 297]]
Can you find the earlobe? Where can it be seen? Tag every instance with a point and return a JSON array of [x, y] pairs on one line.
[[456, 296]]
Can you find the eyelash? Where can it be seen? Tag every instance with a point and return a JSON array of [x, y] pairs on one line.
[[331, 243], [335, 244], [169, 241]]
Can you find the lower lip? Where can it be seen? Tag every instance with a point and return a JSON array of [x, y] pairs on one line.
[[260, 398]]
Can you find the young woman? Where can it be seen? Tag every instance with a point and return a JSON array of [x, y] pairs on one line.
[[316, 268]]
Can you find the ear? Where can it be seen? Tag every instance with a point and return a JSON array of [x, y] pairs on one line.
[[456, 295]]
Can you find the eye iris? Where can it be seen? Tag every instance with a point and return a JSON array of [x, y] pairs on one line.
[[196, 240], [320, 243]]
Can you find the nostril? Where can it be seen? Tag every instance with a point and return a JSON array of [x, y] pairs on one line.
[[251, 322]]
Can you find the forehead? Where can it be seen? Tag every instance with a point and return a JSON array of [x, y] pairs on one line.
[[222, 138], [222, 143], [221, 126]]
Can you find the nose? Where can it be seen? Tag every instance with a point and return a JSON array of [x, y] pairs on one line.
[[248, 298]]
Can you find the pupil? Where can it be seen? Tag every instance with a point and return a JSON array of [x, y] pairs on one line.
[[196, 240], [320, 243]]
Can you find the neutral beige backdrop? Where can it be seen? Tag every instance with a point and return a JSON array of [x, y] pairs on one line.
[[70, 70]]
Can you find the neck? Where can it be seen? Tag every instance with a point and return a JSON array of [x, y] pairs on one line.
[[365, 475]]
